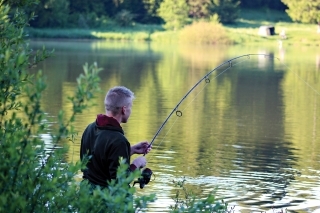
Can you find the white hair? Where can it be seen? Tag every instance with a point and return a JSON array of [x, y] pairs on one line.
[[118, 97]]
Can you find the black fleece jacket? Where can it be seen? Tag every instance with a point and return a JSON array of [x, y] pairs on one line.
[[104, 142]]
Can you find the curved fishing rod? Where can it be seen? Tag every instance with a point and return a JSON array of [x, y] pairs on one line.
[[207, 80]]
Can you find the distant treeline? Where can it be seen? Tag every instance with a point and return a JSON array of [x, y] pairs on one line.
[[271, 4], [98, 13]]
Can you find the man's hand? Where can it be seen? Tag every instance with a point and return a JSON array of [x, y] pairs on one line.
[[140, 162], [141, 148]]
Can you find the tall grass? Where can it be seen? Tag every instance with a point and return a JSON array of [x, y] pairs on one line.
[[59, 33], [204, 32], [168, 37], [119, 36], [137, 32]]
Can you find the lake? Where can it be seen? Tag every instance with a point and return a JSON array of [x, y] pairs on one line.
[[250, 131]]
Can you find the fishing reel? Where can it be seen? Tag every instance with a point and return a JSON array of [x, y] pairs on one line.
[[145, 178]]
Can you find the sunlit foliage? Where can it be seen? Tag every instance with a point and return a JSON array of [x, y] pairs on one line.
[[303, 11], [174, 13]]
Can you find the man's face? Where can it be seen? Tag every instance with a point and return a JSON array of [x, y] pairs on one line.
[[126, 112]]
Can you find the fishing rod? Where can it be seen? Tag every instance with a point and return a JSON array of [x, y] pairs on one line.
[[207, 80], [147, 173]]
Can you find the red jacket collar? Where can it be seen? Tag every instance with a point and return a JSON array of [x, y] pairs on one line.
[[103, 120]]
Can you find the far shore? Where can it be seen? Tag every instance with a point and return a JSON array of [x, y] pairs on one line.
[[295, 35], [245, 31]]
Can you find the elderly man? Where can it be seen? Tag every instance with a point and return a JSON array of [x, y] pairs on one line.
[[104, 140]]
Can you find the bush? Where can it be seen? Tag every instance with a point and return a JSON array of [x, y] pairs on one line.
[[174, 14], [124, 18], [303, 11], [186, 201], [50, 13], [227, 10], [203, 32]]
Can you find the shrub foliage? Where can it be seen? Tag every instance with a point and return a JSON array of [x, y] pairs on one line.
[[32, 178], [303, 11], [204, 32]]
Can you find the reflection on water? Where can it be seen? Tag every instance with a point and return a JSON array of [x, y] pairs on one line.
[[251, 133]]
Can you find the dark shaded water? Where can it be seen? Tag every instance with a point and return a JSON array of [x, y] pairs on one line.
[[251, 134]]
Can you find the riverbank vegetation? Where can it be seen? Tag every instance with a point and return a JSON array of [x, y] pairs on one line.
[[243, 31], [179, 21]]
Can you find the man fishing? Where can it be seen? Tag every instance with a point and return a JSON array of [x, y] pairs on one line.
[[103, 141]]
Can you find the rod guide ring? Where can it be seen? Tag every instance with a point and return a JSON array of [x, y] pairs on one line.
[[178, 113]]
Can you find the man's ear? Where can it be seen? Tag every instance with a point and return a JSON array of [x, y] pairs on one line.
[[123, 110]]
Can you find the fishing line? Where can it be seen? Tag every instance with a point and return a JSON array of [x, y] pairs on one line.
[[308, 84], [316, 91], [304, 81], [207, 80]]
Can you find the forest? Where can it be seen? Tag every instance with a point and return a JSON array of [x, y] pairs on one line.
[[93, 14]]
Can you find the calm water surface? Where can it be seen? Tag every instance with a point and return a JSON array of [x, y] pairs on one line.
[[252, 133]]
